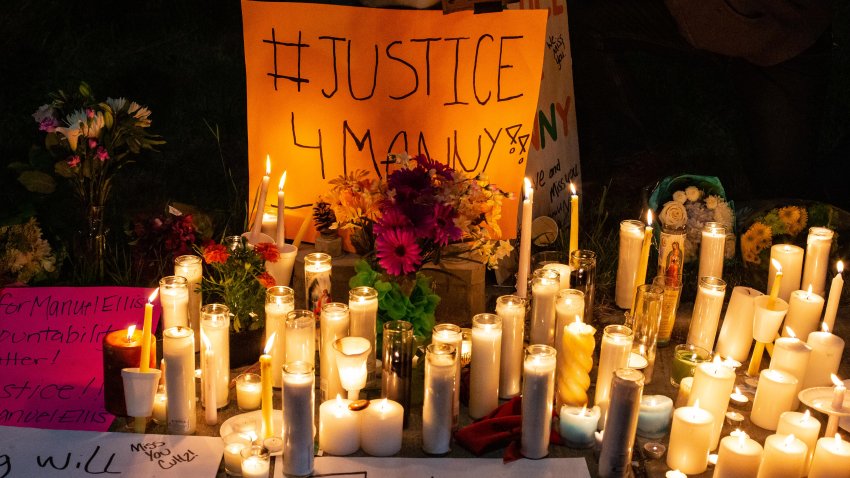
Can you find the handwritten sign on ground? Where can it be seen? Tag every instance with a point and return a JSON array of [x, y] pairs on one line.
[[28, 452], [51, 357], [445, 467], [332, 89]]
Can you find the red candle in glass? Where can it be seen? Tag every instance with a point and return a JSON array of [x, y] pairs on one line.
[[121, 349]]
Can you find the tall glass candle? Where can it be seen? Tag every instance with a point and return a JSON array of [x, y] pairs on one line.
[[511, 309], [178, 350], [544, 290], [645, 323], [300, 336], [317, 280], [280, 300], [339, 427], [451, 334], [484, 369], [437, 405], [574, 365], [791, 355], [711, 250], [631, 241], [669, 306], [174, 299], [736, 334], [569, 307], [790, 258], [818, 244], [215, 324], [363, 315], [121, 349], [784, 455], [690, 440], [191, 267], [334, 325], [804, 312], [583, 278], [398, 363], [774, 395], [706, 315], [827, 349], [712, 387], [802, 426], [671, 253], [538, 389], [832, 458], [248, 391], [563, 271], [613, 355], [615, 458], [298, 403], [738, 456]]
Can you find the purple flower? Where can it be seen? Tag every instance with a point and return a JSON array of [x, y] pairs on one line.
[[414, 181], [48, 124], [398, 252], [391, 218], [102, 154], [443, 228], [442, 170]]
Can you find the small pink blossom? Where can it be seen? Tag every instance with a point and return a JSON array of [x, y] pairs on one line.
[[90, 113], [92, 143], [48, 125], [101, 153], [74, 161]]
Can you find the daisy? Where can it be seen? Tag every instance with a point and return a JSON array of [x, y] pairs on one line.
[[397, 251]]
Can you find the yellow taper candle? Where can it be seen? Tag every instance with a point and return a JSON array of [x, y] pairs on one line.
[[777, 280], [758, 350], [144, 360], [266, 380], [640, 276], [573, 219], [573, 372]]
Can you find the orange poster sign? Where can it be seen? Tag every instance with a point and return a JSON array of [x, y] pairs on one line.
[[332, 89]]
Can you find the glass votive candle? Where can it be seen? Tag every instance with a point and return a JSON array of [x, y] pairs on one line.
[[465, 347], [248, 391], [160, 406], [255, 462], [234, 443], [686, 357]]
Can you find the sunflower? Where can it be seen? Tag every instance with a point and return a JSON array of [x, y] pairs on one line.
[[794, 217], [762, 235]]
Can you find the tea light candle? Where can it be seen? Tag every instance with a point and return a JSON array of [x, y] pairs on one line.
[[334, 325], [804, 311], [835, 288], [525, 240], [544, 290], [538, 389], [234, 443], [675, 474], [381, 432], [690, 439], [575, 363], [614, 354], [578, 425], [655, 415], [706, 314], [802, 426], [736, 333], [160, 406], [255, 466], [790, 260], [791, 355], [831, 458], [784, 455], [818, 244], [738, 456], [711, 250], [774, 395], [631, 242], [734, 419], [511, 309], [738, 399], [339, 427], [178, 350], [484, 369], [174, 299], [827, 349], [713, 385], [280, 300], [248, 391]]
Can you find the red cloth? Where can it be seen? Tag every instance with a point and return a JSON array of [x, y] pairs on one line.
[[501, 428]]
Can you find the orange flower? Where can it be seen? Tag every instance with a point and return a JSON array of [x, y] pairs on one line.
[[216, 253], [267, 251], [266, 280]]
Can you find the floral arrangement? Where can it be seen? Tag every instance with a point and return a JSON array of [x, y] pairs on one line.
[[25, 256], [783, 224], [155, 240], [236, 275], [692, 206]]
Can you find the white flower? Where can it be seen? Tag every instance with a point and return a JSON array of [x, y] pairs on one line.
[[729, 248], [724, 215], [673, 214], [43, 112], [693, 193], [72, 132], [116, 103], [711, 201], [680, 197]]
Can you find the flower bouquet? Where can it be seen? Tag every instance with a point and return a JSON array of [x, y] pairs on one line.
[[24, 256]]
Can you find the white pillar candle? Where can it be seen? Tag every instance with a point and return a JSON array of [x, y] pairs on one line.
[[363, 317], [451, 334], [437, 405], [248, 391], [280, 300], [791, 355], [525, 240], [484, 369], [827, 349], [831, 458], [538, 390], [712, 387], [706, 315], [178, 350], [774, 395], [631, 241], [544, 291], [317, 280], [334, 325], [736, 334], [738, 456], [574, 365], [578, 425], [835, 288], [711, 250], [613, 354], [563, 271], [690, 440], [655, 415], [802, 426], [339, 427], [381, 431], [191, 267], [569, 307], [174, 299], [804, 311], [511, 309], [298, 403], [790, 258], [818, 243], [784, 455], [767, 318], [215, 324], [300, 336]]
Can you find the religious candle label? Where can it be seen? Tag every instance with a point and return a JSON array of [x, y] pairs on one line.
[[50, 365]]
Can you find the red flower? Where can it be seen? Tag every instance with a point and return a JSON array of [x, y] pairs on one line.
[[398, 252], [266, 280], [267, 251], [216, 253]]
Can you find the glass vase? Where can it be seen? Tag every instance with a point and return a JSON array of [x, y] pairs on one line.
[[398, 363], [583, 278]]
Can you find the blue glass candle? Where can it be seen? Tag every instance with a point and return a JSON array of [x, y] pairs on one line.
[[654, 417], [577, 425]]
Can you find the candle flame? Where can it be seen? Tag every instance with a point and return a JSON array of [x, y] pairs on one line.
[[383, 404], [789, 440], [269, 343], [739, 433], [807, 415], [268, 165], [649, 217], [578, 319], [787, 248], [776, 265], [809, 293], [837, 439], [338, 401], [790, 332], [282, 181], [716, 361], [153, 295], [130, 331], [737, 391], [206, 341], [572, 188], [529, 191], [839, 266], [824, 327], [742, 439], [837, 381], [696, 403], [583, 410]]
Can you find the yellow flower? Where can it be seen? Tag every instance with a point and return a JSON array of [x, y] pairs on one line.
[[795, 219], [757, 238]]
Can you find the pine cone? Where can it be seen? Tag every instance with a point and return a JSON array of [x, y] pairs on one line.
[[324, 218]]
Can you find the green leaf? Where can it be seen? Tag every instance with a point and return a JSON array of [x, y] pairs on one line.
[[37, 182], [18, 166]]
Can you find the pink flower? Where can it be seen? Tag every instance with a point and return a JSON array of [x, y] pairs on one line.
[[444, 228], [92, 143], [90, 113], [74, 161], [48, 125], [102, 154], [398, 252]]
